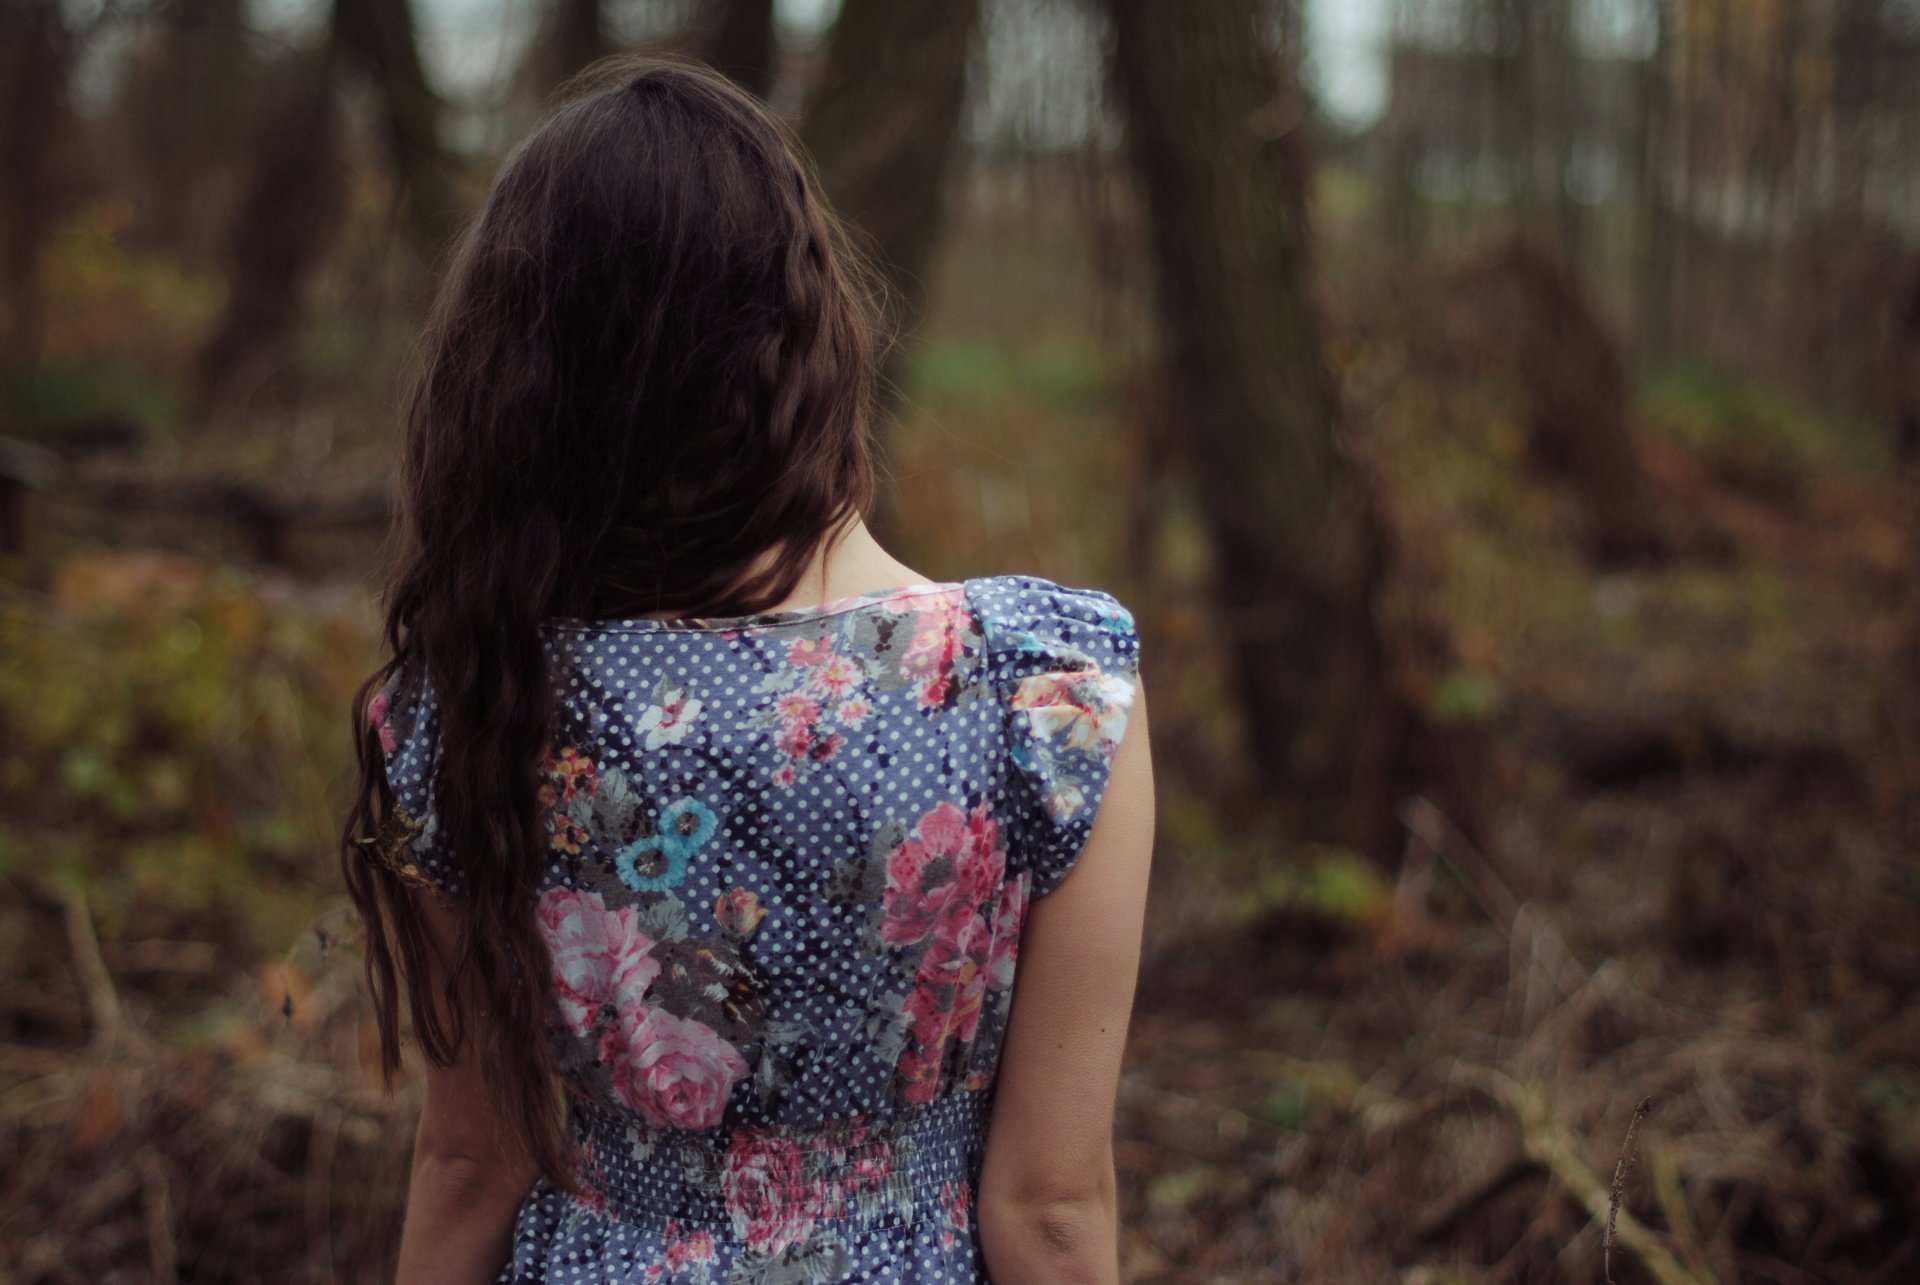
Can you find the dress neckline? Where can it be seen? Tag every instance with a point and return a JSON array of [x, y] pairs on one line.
[[761, 619]]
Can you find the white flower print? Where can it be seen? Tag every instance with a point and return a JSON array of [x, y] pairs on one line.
[[669, 722]]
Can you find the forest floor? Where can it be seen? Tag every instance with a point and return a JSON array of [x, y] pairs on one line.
[[1697, 889]]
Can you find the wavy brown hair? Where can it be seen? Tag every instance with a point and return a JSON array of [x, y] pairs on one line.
[[644, 387]]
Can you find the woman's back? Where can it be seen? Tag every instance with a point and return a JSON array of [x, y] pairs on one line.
[[789, 860]]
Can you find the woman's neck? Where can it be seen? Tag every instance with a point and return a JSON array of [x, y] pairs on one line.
[[848, 562]]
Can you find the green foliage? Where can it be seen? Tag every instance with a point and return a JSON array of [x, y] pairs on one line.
[[975, 372], [78, 393], [1333, 884], [1756, 434], [1466, 695], [176, 740]]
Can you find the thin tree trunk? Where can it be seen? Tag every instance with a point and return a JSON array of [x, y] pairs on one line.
[[1215, 122], [36, 54]]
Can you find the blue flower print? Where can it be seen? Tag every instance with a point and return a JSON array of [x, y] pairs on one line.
[[659, 861]]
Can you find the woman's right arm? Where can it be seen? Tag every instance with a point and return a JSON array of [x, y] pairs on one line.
[[1047, 1200]]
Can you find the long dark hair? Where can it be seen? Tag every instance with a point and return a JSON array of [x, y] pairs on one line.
[[644, 387]]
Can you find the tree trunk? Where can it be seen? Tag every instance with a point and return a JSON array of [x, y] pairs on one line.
[[572, 34], [188, 105], [1580, 414], [293, 203], [36, 54], [377, 37], [742, 44], [1215, 122], [882, 123]]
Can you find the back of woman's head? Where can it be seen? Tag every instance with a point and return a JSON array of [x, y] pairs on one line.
[[644, 386], [651, 360]]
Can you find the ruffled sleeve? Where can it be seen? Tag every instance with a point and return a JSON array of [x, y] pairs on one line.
[[1063, 664], [407, 718]]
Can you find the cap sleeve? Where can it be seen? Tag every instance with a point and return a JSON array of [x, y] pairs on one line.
[[1063, 663], [406, 716]]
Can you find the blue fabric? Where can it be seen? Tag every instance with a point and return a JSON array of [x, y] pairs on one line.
[[789, 857]]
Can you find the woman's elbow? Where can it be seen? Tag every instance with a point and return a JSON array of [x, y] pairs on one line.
[[1065, 1239]]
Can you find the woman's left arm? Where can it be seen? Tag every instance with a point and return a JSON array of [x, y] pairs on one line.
[[465, 1191]]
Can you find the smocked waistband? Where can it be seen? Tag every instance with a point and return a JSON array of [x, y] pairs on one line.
[[775, 1184]]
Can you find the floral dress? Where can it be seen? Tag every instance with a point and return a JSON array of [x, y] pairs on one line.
[[788, 859]]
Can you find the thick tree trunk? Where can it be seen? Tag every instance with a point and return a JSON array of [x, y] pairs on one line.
[[377, 38], [1215, 122]]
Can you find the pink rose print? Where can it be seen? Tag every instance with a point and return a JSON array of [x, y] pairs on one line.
[[599, 956], [795, 740], [689, 1250], [675, 1072], [957, 1199], [930, 656], [377, 710], [772, 1203], [943, 874]]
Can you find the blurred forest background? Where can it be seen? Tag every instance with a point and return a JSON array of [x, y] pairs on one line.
[[1503, 414]]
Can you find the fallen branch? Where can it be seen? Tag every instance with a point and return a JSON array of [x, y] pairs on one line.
[[1546, 1142], [102, 1000]]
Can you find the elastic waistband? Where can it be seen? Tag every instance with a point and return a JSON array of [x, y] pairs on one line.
[[776, 1184]]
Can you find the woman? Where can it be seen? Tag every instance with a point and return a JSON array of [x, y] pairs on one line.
[[704, 840]]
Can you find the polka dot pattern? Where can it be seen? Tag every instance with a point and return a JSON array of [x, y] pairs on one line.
[[789, 858]]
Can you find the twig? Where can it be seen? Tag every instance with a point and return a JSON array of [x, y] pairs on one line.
[[1629, 1153], [1546, 1142], [102, 999], [162, 1250]]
